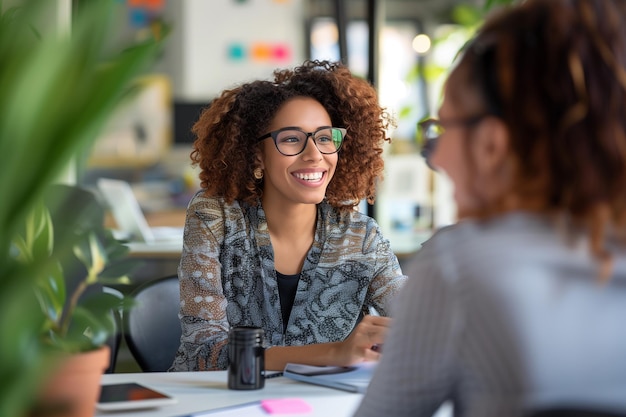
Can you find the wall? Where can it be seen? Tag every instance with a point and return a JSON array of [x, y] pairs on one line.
[[219, 43]]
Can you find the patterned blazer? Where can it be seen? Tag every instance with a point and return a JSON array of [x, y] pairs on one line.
[[227, 278]]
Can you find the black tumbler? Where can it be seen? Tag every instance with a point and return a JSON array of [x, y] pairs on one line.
[[246, 358]]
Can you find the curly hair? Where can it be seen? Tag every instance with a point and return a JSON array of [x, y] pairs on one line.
[[226, 133], [555, 72]]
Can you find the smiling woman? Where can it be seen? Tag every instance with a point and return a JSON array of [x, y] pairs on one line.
[[273, 240]]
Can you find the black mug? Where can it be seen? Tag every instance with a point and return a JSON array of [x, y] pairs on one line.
[[246, 358]]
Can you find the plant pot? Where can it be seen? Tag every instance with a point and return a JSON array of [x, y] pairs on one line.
[[72, 390]]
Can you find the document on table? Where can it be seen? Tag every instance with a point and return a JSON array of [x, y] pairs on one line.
[[347, 378], [251, 409]]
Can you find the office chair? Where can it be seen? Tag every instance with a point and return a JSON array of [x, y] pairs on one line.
[[151, 327]]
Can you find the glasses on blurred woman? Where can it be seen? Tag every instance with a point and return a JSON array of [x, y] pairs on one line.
[[291, 141], [429, 131]]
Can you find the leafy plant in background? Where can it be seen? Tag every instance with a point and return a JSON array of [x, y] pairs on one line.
[[471, 16], [65, 233], [464, 19], [57, 93]]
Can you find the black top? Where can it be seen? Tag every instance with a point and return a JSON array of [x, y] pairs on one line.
[[287, 287]]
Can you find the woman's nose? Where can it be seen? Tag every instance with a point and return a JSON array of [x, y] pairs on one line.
[[311, 150]]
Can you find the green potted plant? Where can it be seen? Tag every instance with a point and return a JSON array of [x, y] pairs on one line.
[[57, 93], [64, 235]]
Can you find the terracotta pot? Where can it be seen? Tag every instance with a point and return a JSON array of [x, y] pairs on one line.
[[73, 389]]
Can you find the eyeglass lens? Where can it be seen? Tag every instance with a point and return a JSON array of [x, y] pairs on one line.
[[292, 142], [428, 131]]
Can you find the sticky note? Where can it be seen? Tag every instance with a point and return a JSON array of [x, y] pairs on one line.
[[286, 406]]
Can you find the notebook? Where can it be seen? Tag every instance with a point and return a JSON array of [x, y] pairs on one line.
[[347, 378], [131, 221]]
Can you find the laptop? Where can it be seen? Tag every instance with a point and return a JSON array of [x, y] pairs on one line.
[[131, 222]]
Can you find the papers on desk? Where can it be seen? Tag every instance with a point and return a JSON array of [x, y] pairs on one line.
[[347, 378]]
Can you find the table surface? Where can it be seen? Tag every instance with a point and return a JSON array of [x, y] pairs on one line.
[[203, 391]]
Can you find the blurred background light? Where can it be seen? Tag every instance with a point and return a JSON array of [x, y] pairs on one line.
[[421, 43]]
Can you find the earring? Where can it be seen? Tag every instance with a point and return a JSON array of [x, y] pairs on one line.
[[258, 173]]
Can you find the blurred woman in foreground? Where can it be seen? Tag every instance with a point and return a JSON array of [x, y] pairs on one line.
[[521, 305]]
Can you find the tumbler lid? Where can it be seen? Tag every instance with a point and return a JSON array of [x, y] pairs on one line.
[[246, 334]]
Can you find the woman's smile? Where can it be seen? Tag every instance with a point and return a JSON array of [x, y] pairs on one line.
[[310, 178]]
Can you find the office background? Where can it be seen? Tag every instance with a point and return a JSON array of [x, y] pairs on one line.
[[404, 47]]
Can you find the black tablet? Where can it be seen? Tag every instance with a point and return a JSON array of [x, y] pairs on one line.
[[131, 396]]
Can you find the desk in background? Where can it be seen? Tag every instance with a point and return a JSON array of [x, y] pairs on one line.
[[156, 260], [171, 218]]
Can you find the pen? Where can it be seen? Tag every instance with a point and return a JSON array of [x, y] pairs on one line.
[[373, 311], [273, 375], [375, 347]]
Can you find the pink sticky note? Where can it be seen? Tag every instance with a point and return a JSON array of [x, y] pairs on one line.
[[286, 406]]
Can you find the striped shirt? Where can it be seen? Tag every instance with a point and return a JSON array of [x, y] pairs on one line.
[[502, 316], [227, 278]]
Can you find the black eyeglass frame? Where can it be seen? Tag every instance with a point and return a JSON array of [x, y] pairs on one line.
[[274, 135], [428, 144]]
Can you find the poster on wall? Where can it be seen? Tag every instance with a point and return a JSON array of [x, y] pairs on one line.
[[227, 42]]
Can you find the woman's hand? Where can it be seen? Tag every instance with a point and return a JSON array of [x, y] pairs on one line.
[[358, 347], [364, 342]]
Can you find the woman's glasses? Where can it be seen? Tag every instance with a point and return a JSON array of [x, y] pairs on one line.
[[429, 131], [291, 141]]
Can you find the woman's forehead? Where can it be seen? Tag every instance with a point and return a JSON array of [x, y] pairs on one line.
[[461, 92]]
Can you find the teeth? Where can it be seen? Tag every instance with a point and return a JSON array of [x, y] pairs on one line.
[[314, 176]]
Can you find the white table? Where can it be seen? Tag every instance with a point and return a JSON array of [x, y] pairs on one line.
[[201, 391]]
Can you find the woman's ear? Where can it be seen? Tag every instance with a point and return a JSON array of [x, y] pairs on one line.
[[491, 148], [260, 157]]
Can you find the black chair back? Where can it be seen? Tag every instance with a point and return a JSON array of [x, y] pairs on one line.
[[151, 327]]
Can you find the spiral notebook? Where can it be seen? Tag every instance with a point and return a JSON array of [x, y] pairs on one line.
[[347, 378]]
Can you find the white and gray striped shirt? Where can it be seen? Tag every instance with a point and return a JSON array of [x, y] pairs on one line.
[[500, 316]]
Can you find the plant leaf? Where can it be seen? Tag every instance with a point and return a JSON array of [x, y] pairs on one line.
[[51, 293]]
